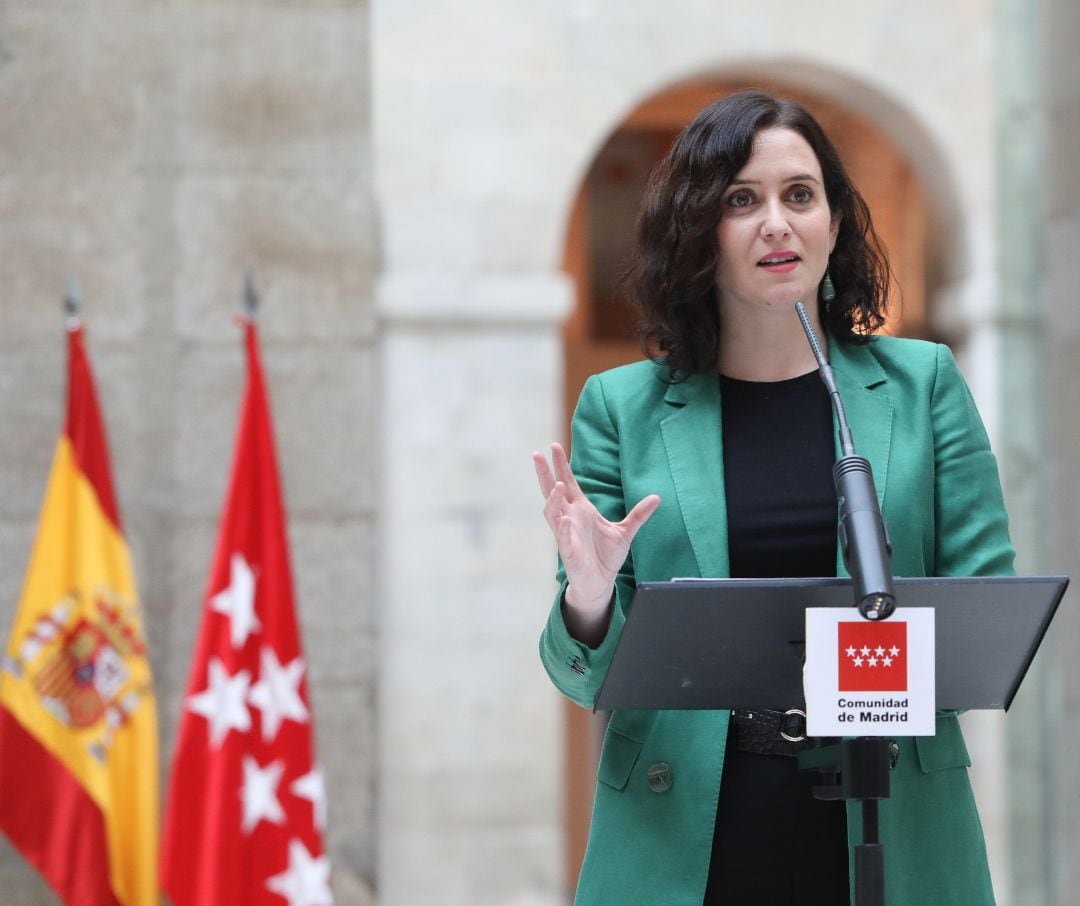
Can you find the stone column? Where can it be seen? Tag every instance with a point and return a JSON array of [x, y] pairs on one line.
[[470, 737], [1055, 216]]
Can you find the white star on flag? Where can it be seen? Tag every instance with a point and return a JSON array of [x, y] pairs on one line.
[[887, 661], [865, 652], [260, 793], [222, 702], [858, 662], [277, 693], [894, 651], [873, 662], [306, 881], [312, 788], [879, 651], [238, 601], [851, 651]]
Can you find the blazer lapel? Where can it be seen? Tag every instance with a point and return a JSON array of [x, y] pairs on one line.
[[694, 444], [693, 440], [859, 377]]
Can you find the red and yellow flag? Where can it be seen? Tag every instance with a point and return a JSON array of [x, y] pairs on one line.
[[78, 723]]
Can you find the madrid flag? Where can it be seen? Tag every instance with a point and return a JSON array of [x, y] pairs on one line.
[[872, 656], [78, 725], [246, 806]]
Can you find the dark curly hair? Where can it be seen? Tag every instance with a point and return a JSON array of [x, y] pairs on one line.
[[673, 275]]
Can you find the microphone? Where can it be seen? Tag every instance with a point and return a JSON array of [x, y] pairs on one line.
[[864, 541]]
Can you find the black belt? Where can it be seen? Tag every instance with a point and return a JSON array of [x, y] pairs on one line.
[[763, 732]]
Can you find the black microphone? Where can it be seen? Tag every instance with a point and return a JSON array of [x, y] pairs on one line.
[[864, 541]]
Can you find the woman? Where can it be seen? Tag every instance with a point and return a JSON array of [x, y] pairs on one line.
[[715, 460]]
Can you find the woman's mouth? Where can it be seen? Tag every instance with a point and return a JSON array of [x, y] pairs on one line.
[[779, 262]]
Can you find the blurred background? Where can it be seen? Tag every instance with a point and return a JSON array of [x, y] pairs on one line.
[[435, 199]]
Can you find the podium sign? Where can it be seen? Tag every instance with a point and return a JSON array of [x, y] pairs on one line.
[[869, 677]]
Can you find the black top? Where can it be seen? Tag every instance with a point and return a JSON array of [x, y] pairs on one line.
[[778, 459], [773, 842]]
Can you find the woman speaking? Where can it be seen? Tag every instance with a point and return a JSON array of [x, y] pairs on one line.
[[713, 458]]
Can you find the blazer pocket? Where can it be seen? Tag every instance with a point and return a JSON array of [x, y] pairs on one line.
[[945, 749], [617, 759]]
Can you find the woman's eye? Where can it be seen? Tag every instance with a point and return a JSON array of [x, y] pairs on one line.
[[800, 195], [740, 199]]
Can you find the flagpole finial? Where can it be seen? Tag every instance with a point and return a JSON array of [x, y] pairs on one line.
[[73, 301], [251, 295]]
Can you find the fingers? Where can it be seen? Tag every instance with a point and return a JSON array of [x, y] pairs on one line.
[[640, 514], [562, 469], [543, 473], [560, 523], [546, 476], [553, 506]]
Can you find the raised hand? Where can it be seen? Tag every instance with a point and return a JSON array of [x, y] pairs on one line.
[[592, 548]]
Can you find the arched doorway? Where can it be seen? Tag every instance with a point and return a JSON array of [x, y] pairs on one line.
[[599, 333]]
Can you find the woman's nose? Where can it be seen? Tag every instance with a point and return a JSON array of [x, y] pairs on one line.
[[775, 222]]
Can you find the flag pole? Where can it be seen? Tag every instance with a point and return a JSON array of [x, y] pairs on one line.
[[73, 303], [251, 296]]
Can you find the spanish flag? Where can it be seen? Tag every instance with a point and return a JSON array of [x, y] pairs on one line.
[[78, 723]]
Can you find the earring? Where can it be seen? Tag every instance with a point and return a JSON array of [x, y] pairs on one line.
[[828, 291]]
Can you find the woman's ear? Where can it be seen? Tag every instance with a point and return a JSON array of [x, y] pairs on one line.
[[834, 231]]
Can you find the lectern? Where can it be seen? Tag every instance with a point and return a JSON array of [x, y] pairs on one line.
[[740, 643]]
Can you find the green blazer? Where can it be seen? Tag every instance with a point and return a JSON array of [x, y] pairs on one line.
[[635, 433]]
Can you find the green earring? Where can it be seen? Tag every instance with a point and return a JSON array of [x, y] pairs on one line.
[[828, 291]]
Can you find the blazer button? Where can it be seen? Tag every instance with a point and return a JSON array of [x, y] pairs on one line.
[[660, 778]]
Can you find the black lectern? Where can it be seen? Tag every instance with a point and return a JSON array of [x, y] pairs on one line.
[[740, 643]]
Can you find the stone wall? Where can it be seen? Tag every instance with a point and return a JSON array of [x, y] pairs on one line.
[[156, 151]]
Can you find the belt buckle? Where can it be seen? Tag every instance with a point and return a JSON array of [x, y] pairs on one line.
[[789, 713]]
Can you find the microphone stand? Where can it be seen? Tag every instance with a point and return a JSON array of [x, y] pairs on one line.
[[857, 769]]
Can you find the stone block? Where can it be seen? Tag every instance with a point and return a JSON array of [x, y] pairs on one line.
[[275, 88], [323, 399], [1061, 173], [345, 746], [308, 240], [1059, 24], [461, 756], [209, 387], [69, 96], [332, 570], [434, 297], [321, 404], [471, 865], [171, 704], [32, 387], [488, 580], [488, 390], [476, 235], [192, 543], [16, 543], [67, 225]]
